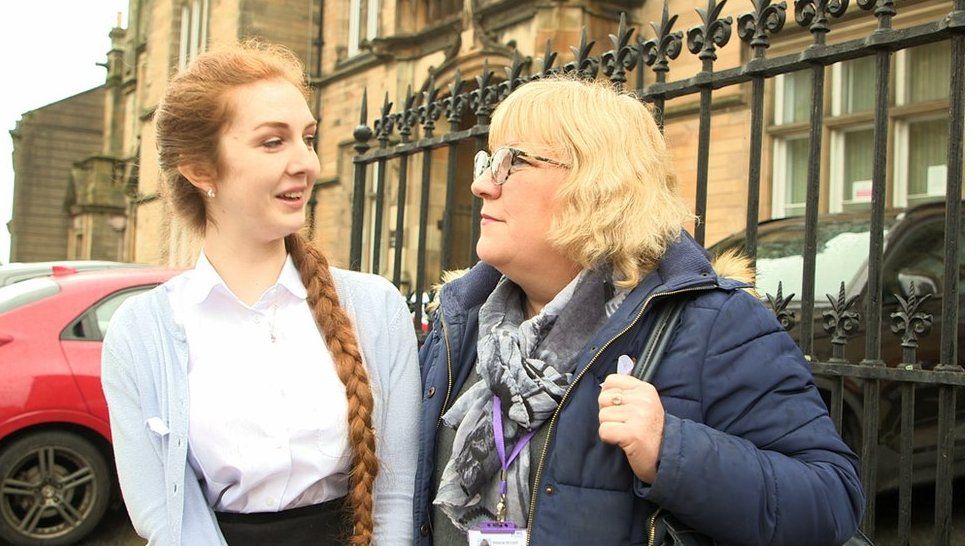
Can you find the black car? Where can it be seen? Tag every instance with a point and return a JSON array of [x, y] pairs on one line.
[[914, 253]]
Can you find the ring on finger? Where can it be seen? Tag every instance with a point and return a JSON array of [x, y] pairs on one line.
[[617, 400]]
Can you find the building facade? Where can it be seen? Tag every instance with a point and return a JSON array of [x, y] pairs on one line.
[[50, 202], [392, 46]]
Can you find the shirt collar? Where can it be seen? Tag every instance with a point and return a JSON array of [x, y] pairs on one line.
[[204, 278], [291, 280]]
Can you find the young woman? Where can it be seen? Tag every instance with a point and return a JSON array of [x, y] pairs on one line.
[[528, 420], [261, 397]]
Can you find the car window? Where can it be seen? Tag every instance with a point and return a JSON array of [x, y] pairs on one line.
[[919, 258], [842, 250], [104, 311], [26, 292], [92, 324]]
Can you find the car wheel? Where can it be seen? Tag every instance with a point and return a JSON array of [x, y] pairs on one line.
[[54, 489]]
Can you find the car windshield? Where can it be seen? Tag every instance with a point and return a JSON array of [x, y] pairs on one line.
[[26, 292], [842, 251]]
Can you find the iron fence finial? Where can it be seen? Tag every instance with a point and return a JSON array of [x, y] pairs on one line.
[[666, 45], [582, 64], [362, 133], [756, 26], [841, 321], [713, 33], [813, 14], [623, 57], [454, 103], [779, 304]]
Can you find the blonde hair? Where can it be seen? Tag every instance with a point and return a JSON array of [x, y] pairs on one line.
[[189, 121], [619, 202]]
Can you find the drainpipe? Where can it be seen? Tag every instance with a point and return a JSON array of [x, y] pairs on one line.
[[320, 42], [317, 74], [319, 48]]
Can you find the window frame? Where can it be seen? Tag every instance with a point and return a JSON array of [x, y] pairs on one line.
[[359, 9], [835, 197], [89, 320], [837, 123], [837, 98], [901, 132], [194, 24], [779, 191]]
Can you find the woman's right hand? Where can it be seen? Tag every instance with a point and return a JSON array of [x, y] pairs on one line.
[[632, 417]]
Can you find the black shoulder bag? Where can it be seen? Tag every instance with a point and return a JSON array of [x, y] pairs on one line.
[[663, 528]]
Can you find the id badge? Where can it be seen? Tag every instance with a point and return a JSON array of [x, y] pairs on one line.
[[497, 533]]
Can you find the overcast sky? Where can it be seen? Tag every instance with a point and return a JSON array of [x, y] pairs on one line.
[[50, 48]]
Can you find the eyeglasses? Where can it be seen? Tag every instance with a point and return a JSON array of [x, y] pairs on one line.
[[502, 161]]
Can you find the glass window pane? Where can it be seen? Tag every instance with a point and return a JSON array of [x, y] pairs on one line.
[[928, 143], [928, 72], [184, 58], [373, 19], [194, 30], [796, 96], [858, 167], [858, 85], [919, 258], [204, 23], [842, 250], [107, 308], [355, 7], [797, 157]]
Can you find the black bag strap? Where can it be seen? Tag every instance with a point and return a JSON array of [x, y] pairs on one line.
[[661, 332]]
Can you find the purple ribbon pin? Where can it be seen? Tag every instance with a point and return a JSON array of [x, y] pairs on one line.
[[625, 365]]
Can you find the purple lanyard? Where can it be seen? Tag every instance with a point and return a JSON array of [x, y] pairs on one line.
[[496, 423]]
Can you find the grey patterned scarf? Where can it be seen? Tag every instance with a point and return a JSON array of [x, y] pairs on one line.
[[528, 364]]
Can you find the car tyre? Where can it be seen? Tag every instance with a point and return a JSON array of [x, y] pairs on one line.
[[54, 489]]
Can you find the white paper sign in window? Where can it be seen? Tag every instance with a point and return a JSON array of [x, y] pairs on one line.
[[936, 179], [861, 190]]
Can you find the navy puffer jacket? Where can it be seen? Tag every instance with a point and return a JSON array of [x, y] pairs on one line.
[[749, 456]]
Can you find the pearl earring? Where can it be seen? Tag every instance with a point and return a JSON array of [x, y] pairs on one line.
[[211, 193]]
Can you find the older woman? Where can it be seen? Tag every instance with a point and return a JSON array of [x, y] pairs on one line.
[[525, 420]]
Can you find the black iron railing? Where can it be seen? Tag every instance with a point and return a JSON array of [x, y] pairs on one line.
[[631, 55]]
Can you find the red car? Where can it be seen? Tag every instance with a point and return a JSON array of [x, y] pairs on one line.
[[56, 471]]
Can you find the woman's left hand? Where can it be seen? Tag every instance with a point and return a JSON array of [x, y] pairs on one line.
[[632, 417]]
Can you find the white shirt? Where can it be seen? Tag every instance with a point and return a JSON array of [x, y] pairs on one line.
[[267, 411]]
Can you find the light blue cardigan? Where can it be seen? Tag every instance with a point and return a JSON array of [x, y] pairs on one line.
[[144, 376]]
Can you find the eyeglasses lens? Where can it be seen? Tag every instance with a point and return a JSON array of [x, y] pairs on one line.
[[481, 163], [501, 164]]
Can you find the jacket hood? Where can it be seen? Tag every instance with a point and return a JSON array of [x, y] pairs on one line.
[[735, 265], [448, 276]]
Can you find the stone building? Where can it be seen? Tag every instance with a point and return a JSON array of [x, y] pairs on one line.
[[49, 203], [386, 46]]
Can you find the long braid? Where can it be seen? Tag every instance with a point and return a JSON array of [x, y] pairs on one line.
[[340, 338]]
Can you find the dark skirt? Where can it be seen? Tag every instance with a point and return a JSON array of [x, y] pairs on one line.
[[328, 523]]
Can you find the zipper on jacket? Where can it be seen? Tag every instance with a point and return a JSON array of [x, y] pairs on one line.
[[555, 415], [651, 527], [450, 373]]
